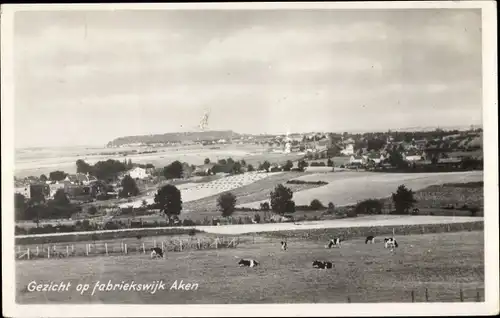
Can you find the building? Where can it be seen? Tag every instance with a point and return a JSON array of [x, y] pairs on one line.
[[356, 160], [205, 169], [138, 173], [375, 157], [348, 150], [54, 187], [412, 156]]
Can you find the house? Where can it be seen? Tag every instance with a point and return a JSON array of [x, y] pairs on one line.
[[54, 187], [205, 169], [356, 160], [374, 156], [138, 173], [79, 178], [348, 150], [24, 190], [412, 156]]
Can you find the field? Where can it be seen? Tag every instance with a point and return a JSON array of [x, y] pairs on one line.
[[364, 273], [42, 161], [346, 188]]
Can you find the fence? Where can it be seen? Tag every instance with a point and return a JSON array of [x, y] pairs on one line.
[[421, 295], [123, 247]]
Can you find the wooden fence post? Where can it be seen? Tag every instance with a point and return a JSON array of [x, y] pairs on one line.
[[37, 251], [216, 241], [478, 296], [106, 248], [125, 249], [162, 247], [28, 253], [461, 295], [48, 252], [67, 251], [426, 295], [198, 243], [412, 296], [180, 245], [143, 248], [87, 249], [348, 299], [154, 243], [72, 249]]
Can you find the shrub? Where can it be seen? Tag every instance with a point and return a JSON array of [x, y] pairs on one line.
[[316, 205], [188, 222], [331, 207], [351, 213], [369, 206], [192, 232], [256, 218], [473, 211], [264, 206]]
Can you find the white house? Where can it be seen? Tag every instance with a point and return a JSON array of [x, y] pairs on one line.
[[348, 150], [354, 159], [138, 173]]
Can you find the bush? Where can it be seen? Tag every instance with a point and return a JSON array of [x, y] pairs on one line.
[[256, 218], [369, 206], [264, 206], [473, 211], [188, 222], [351, 213], [316, 205]]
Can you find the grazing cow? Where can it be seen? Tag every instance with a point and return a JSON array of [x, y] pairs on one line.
[[248, 262], [322, 265], [336, 241], [283, 245], [390, 242], [156, 252], [370, 239]]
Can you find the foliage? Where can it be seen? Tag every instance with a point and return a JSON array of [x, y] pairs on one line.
[[19, 206], [329, 163], [256, 218], [302, 164], [57, 175], [226, 203], [403, 199], [281, 199], [265, 166], [316, 205], [83, 167], [173, 170], [168, 200], [60, 198], [129, 187], [206, 161], [264, 206], [369, 206], [288, 165], [43, 178], [250, 168], [331, 207]]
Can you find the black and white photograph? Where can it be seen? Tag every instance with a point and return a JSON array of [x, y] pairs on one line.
[[324, 157]]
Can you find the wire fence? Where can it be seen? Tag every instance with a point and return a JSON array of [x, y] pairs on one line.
[[123, 247], [420, 295]]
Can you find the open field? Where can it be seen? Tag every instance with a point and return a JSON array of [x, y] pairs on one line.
[[42, 161], [363, 272], [346, 188], [258, 190]]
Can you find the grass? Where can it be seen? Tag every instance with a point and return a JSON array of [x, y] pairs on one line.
[[346, 188], [365, 273]]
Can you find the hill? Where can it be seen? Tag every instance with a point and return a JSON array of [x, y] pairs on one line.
[[173, 137]]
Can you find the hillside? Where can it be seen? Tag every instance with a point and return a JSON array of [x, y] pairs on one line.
[[173, 137]]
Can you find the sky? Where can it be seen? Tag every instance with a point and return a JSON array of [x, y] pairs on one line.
[[87, 77]]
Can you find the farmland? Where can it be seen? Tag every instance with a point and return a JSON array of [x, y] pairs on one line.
[[364, 273], [346, 188]]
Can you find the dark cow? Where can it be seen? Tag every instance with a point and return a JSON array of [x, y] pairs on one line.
[[390, 242], [322, 264], [336, 241], [284, 245], [248, 262], [370, 239], [156, 252]]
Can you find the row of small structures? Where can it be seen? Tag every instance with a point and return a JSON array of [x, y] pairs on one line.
[[122, 248]]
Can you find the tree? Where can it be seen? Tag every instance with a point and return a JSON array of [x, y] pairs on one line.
[[222, 162], [206, 161], [226, 203], [264, 206], [92, 210], [236, 169], [396, 159], [288, 165], [243, 162], [60, 198], [43, 178], [129, 187], [331, 207], [230, 161], [250, 168], [19, 206], [57, 175], [265, 166], [403, 199], [316, 205], [329, 163], [109, 169], [369, 206], [168, 199], [302, 165], [281, 199], [173, 170], [83, 167]]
